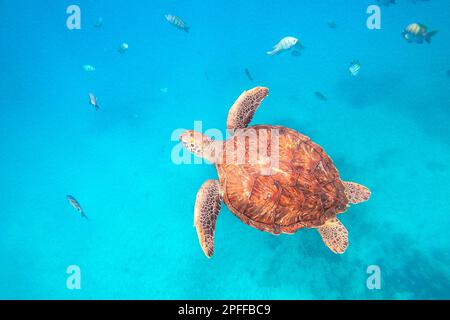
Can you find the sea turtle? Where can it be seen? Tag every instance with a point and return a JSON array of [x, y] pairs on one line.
[[301, 189]]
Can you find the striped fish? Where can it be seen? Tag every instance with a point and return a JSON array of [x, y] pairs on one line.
[[177, 22], [285, 44], [76, 205], [355, 67], [418, 33], [93, 101]]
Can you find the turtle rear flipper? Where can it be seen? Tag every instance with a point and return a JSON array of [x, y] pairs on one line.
[[356, 193], [334, 235], [207, 207]]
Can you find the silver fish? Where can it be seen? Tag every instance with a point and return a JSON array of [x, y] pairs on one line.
[[76, 205], [285, 44], [177, 22], [93, 101]]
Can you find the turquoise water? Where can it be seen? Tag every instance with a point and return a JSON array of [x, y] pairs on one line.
[[387, 128]]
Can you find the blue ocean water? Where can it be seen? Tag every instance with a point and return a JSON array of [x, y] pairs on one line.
[[387, 128]]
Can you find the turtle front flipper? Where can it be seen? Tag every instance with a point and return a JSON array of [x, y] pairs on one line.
[[356, 193], [207, 207], [335, 235], [242, 111]]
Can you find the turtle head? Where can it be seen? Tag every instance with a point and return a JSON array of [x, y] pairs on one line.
[[196, 142]]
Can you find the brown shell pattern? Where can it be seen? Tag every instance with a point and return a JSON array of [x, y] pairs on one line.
[[302, 191]]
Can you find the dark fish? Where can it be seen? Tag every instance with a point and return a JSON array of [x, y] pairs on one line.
[[320, 96], [296, 53], [249, 76], [206, 76], [76, 205], [386, 2], [448, 73], [332, 24]]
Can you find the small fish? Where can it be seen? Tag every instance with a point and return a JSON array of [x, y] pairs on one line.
[[123, 48], [296, 53], [331, 24], [249, 76], [355, 67], [74, 203], [177, 22], [418, 33], [88, 68], [386, 2], [448, 73], [285, 44], [93, 101], [206, 76], [164, 90], [99, 23], [320, 96]]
